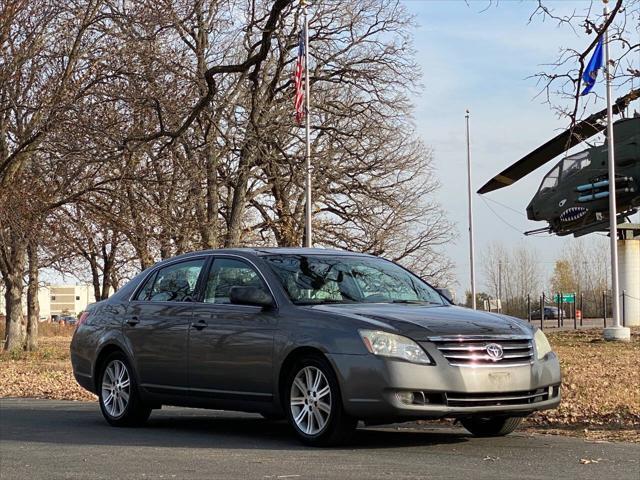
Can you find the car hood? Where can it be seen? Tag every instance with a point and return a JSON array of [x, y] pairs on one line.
[[421, 322]]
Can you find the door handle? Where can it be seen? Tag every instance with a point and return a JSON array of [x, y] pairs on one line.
[[199, 325], [133, 321]]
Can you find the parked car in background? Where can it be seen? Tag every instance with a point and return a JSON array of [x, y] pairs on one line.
[[551, 313], [69, 320], [322, 337]]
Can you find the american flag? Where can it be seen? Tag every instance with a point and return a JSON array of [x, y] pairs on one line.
[[299, 98]]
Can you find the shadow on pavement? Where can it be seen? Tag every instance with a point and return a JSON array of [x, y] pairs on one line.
[[187, 428]]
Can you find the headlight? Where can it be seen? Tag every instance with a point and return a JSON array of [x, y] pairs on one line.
[[542, 344], [387, 344]]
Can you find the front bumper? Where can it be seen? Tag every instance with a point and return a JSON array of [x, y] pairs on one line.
[[370, 386]]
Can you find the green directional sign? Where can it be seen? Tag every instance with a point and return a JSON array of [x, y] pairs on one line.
[[566, 298]]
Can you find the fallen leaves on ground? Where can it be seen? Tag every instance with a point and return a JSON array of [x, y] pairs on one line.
[[600, 388], [45, 373]]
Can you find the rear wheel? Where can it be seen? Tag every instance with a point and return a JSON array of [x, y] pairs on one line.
[[119, 400], [314, 406], [491, 426]]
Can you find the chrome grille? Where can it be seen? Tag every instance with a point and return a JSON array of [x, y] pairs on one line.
[[472, 351], [459, 399]]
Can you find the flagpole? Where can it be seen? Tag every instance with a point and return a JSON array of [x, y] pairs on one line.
[[308, 203], [616, 332], [471, 247]]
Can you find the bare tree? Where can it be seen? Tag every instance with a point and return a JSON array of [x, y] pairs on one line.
[[561, 81], [587, 265], [512, 276], [137, 131]]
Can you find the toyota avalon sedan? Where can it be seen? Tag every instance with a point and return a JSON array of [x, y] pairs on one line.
[[324, 338]]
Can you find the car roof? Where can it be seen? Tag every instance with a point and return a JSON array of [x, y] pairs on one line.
[[263, 251]]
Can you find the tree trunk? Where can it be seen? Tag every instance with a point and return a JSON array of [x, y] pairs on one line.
[[33, 307], [107, 278], [212, 200], [234, 229], [95, 274], [13, 297]]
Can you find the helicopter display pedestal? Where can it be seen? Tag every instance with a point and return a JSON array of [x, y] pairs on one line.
[[629, 273], [629, 277]]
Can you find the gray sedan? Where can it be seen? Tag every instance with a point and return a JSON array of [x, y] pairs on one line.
[[322, 337]]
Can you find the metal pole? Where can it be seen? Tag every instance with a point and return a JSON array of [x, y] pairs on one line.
[[581, 307], [542, 311], [613, 224], [559, 306], [471, 249], [307, 94], [500, 281], [604, 308], [529, 307]]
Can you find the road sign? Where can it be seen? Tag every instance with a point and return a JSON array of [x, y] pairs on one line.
[[566, 298]]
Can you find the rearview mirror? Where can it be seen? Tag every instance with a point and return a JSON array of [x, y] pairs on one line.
[[250, 296], [446, 293]]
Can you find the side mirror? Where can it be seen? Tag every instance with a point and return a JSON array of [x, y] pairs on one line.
[[446, 293], [250, 296]]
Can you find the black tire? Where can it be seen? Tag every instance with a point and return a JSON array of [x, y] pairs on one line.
[[491, 426], [339, 426], [135, 412]]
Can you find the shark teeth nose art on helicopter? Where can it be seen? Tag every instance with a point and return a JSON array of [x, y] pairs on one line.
[[573, 213]]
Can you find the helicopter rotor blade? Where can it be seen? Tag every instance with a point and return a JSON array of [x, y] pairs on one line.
[[581, 131]]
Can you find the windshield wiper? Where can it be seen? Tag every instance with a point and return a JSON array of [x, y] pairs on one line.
[[415, 302], [321, 302]]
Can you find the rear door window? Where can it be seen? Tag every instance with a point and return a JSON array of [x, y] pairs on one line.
[[174, 283]]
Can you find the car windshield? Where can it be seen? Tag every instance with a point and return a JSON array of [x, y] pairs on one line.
[[321, 279]]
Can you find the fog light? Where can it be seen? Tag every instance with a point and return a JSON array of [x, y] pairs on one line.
[[405, 397]]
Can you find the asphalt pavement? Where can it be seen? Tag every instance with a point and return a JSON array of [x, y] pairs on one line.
[[45, 439]]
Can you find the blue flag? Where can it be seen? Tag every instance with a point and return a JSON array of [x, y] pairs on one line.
[[591, 72]]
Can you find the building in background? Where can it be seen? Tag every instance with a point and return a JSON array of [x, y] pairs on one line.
[[58, 300]]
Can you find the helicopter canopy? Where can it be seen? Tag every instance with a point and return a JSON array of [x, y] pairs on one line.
[[564, 168]]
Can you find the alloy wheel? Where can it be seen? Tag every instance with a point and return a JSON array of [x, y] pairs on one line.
[[116, 385], [310, 400]]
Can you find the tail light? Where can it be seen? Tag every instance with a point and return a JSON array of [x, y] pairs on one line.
[[82, 318]]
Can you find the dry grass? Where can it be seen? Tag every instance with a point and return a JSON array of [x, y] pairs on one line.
[[600, 387], [601, 382], [45, 373]]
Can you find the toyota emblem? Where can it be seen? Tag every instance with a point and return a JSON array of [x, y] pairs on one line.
[[494, 351]]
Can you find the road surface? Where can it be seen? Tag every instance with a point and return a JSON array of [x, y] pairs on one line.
[[44, 439]]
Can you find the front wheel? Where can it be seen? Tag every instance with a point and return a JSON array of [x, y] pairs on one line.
[[313, 404], [118, 394], [491, 426]]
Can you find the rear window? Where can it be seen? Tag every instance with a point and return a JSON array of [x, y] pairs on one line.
[[173, 283]]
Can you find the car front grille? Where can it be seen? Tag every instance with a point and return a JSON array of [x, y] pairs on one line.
[[473, 352], [459, 399]]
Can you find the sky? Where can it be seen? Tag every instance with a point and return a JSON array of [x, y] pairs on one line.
[[482, 60]]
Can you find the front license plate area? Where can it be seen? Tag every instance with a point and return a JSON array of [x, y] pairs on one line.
[[500, 380]]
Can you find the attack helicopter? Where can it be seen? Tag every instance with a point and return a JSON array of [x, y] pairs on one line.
[[573, 197]]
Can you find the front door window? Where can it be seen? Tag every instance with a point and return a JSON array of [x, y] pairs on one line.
[[226, 273]]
